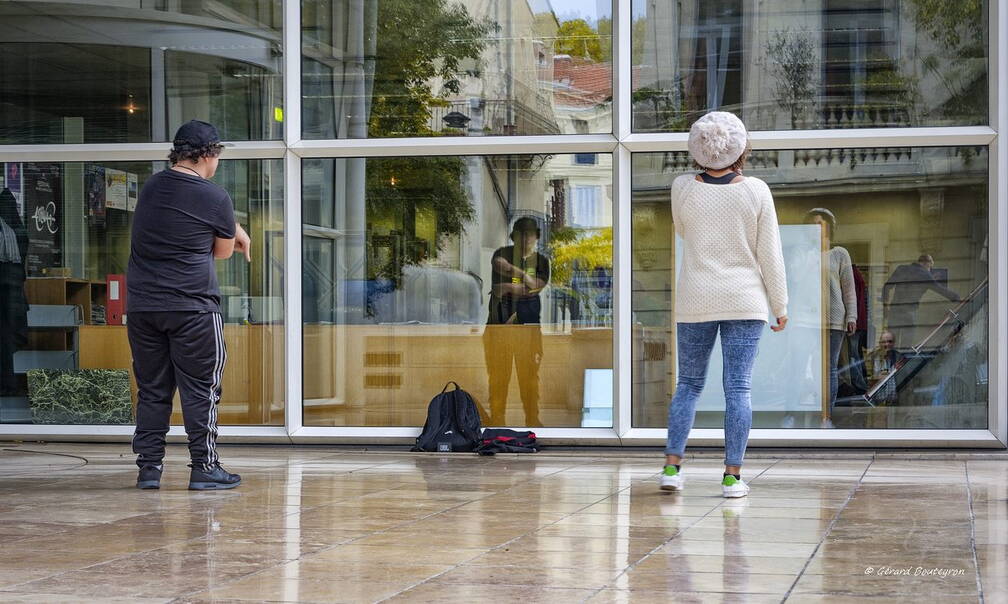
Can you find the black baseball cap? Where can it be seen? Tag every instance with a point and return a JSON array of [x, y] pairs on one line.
[[195, 133], [525, 224]]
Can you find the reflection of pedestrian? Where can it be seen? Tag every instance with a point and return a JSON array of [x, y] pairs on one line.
[[880, 362], [512, 336], [908, 284], [13, 305], [859, 341], [842, 317]]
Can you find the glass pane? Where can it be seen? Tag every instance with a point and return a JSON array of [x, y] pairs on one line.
[[96, 72], [389, 68], [494, 272], [912, 220], [839, 64], [72, 222]]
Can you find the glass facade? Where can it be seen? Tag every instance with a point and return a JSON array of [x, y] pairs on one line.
[[74, 219], [457, 191], [393, 68], [825, 64], [494, 272], [912, 221], [133, 72]]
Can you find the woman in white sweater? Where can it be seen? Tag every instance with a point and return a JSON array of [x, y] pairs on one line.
[[732, 280], [843, 313]]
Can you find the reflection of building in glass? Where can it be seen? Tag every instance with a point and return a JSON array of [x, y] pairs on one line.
[[832, 64], [99, 72]]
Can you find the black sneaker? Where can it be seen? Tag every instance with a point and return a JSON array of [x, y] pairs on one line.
[[216, 478], [149, 477]]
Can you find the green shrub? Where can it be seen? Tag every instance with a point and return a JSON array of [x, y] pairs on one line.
[[80, 396]]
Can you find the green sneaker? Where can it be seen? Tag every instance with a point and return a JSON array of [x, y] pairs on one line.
[[734, 487], [671, 479]]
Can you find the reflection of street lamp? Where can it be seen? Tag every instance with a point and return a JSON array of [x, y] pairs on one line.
[[455, 119]]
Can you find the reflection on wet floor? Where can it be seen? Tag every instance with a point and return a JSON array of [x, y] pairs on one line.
[[331, 525]]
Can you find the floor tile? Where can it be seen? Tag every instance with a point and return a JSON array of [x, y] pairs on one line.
[[330, 524], [747, 583], [875, 584], [621, 596], [440, 592], [571, 578]]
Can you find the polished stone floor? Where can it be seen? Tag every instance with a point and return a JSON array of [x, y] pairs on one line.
[[331, 525]]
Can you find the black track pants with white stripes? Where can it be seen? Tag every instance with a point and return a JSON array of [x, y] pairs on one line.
[[183, 350]]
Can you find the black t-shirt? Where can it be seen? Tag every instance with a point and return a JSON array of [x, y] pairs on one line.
[[526, 307], [171, 265]]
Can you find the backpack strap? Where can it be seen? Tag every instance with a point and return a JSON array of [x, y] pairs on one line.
[[459, 400]]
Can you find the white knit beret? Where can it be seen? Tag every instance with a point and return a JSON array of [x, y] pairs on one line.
[[717, 139]]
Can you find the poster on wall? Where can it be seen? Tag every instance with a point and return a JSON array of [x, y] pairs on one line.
[[12, 182], [43, 194], [131, 192], [795, 352], [94, 194], [116, 190]]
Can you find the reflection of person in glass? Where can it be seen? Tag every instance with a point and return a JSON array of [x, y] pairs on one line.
[[512, 336], [880, 362], [907, 285], [842, 315], [13, 305]]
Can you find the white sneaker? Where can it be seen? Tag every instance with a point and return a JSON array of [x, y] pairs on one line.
[[671, 482], [732, 487]]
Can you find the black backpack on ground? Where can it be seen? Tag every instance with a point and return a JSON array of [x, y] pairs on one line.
[[502, 440], [453, 423]]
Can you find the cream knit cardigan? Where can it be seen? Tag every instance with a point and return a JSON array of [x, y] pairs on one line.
[[733, 266]]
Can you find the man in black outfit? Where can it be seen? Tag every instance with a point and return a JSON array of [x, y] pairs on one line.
[[512, 336], [908, 284], [182, 223]]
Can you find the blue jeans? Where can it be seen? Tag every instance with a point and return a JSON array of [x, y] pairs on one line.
[[739, 343]]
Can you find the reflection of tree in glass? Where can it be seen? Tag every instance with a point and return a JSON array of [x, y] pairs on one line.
[[579, 39], [668, 105], [581, 272], [792, 61], [886, 86], [573, 249], [958, 28], [419, 41], [401, 189]]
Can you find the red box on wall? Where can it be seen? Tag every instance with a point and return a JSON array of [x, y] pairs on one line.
[[115, 299]]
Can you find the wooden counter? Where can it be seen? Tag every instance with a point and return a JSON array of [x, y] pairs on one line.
[[253, 388], [372, 375]]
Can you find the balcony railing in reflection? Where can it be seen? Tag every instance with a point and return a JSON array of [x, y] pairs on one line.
[[807, 158], [680, 161], [494, 117], [794, 166], [651, 116], [847, 115]]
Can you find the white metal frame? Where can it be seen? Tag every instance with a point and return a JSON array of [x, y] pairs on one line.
[[622, 143], [998, 242], [292, 217]]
